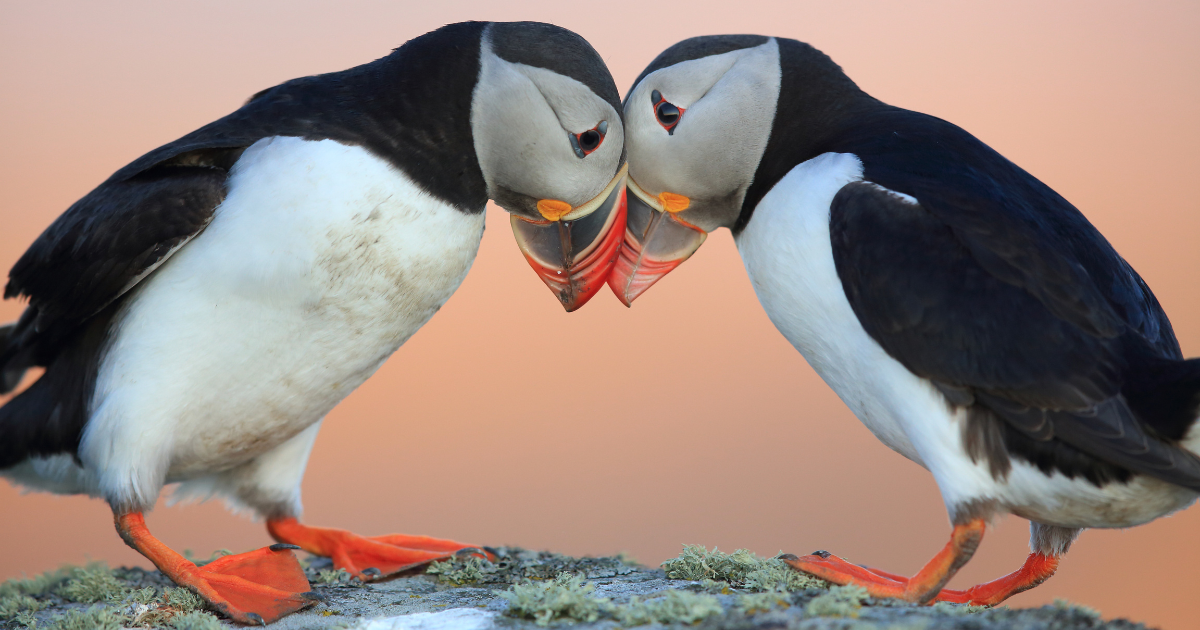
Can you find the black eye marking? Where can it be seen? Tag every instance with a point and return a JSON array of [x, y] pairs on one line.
[[668, 114], [584, 143]]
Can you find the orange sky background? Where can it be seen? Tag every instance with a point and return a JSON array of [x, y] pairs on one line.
[[687, 419]]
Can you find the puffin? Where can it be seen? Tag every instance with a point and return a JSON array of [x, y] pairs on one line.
[[969, 316], [198, 313]]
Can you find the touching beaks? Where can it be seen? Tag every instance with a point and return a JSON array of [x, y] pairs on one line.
[[573, 249], [656, 241]]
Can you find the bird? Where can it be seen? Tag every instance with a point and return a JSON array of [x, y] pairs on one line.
[[198, 313], [970, 316]]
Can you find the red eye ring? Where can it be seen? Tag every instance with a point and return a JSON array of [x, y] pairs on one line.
[[585, 143], [666, 113]]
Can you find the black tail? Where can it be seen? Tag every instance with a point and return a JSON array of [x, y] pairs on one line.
[[10, 376], [48, 417]]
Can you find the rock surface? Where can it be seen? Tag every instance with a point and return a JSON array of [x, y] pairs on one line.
[[467, 594]]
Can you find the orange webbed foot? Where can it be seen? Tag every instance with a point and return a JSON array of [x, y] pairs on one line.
[[926, 586], [258, 587], [921, 588], [369, 558]]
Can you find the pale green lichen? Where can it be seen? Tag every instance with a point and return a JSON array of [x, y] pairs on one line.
[[26, 618], [86, 585], [840, 601], [457, 571], [195, 621], [698, 563], [627, 558], [13, 605], [957, 610], [673, 607], [740, 569], [775, 575], [753, 603], [94, 618], [332, 576], [1062, 604], [183, 600], [37, 586], [566, 597], [92, 583], [149, 608], [144, 596]]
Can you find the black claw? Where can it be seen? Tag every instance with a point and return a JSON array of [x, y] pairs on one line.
[[371, 572], [255, 618], [492, 550], [469, 551], [313, 596], [787, 556], [282, 547], [821, 553]]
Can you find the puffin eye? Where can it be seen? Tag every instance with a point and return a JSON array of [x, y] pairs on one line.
[[668, 114], [584, 143]]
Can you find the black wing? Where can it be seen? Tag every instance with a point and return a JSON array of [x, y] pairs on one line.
[[1001, 293], [74, 276], [107, 242]]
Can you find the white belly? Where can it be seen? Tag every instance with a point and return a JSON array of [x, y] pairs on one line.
[[789, 257], [320, 263]]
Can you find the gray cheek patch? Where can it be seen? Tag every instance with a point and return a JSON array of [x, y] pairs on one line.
[[714, 150], [523, 120]]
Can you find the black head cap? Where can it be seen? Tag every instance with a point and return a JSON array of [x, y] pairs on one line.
[[556, 49], [698, 48]]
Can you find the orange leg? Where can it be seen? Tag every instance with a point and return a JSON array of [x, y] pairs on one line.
[[920, 588], [365, 558], [256, 588], [1038, 568]]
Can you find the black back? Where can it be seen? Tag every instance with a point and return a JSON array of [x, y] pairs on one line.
[[411, 108]]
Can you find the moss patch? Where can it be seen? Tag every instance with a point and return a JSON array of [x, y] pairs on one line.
[[459, 571], [840, 601], [332, 576], [957, 610], [566, 597], [13, 605], [90, 584], [94, 618], [1062, 604], [195, 621], [670, 608], [753, 603], [740, 569]]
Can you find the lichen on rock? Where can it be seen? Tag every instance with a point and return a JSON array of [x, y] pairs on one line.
[[741, 569]]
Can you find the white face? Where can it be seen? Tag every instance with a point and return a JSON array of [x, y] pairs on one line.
[[524, 119], [711, 153]]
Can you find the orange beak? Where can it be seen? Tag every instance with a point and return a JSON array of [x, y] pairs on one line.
[[656, 241], [574, 249]]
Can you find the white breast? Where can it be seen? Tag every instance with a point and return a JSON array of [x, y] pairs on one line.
[[787, 253], [320, 263]]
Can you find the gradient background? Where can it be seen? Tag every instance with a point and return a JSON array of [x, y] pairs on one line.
[[687, 419]]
